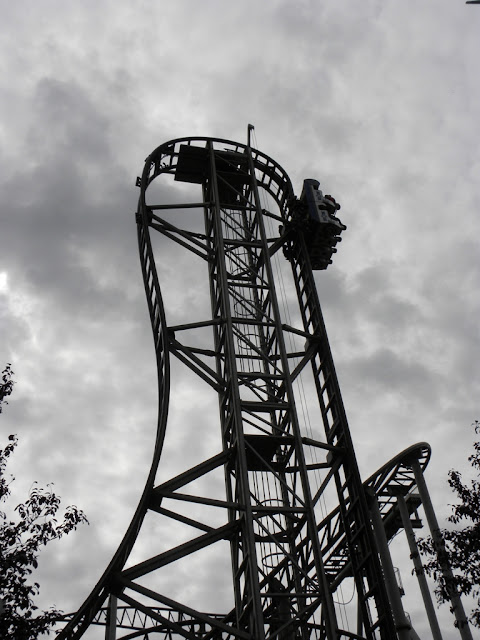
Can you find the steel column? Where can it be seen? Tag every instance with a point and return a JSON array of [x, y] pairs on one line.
[[403, 627], [457, 605], [419, 570]]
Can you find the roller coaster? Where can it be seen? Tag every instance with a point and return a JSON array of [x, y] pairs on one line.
[[279, 500]]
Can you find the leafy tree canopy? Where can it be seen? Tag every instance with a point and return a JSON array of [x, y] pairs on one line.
[[23, 532], [462, 541]]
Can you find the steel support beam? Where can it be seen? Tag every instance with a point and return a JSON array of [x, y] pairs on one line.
[[457, 605]]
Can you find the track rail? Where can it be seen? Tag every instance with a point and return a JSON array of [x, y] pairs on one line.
[[93, 604]]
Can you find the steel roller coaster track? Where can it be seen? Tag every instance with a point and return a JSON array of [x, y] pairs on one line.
[[287, 560], [395, 475]]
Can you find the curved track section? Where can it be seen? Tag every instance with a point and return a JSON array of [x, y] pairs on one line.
[[395, 474], [163, 159], [90, 608], [270, 175]]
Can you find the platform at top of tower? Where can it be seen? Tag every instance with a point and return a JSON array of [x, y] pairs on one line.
[[193, 163]]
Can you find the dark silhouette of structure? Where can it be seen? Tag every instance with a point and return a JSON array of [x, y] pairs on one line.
[[293, 520]]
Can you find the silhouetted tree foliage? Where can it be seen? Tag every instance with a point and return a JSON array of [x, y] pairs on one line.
[[462, 542], [33, 525], [6, 385]]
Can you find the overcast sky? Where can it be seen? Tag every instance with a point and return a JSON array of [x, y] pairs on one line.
[[379, 100]]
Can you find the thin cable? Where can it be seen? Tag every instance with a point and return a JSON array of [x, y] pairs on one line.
[[300, 384]]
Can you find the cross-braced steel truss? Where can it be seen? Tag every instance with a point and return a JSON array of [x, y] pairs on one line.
[[292, 541]]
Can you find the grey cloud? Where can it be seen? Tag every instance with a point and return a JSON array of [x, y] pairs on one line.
[[380, 104], [386, 372]]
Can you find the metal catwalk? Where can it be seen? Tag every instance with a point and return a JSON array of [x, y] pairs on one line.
[[293, 519]]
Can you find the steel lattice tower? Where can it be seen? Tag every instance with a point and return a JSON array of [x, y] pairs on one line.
[[288, 557]]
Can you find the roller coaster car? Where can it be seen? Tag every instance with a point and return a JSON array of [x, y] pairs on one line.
[[315, 215]]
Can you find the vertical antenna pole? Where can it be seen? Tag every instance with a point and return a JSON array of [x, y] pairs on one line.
[[249, 135]]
